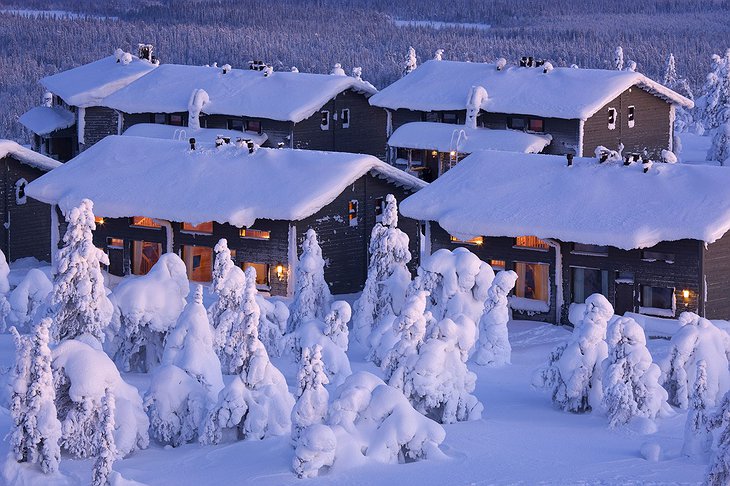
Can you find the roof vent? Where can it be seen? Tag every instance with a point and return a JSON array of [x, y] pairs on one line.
[[527, 61], [227, 68], [145, 52], [268, 71], [294, 69], [48, 99], [501, 63], [256, 65], [220, 140], [280, 145], [646, 163], [547, 67], [569, 156], [192, 144]]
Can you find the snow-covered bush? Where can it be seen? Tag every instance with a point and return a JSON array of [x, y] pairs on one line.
[[388, 276], [493, 348], [29, 300], [719, 471], [315, 451], [374, 420], [81, 373], [79, 302], [720, 148], [227, 285], [312, 296], [410, 328], [189, 379], [272, 324], [712, 107], [336, 323], [313, 333], [35, 437], [237, 332], [411, 63], [697, 339], [106, 449], [145, 309], [697, 436], [573, 372], [630, 379], [4, 289]]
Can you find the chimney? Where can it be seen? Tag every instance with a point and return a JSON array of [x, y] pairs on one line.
[[280, 145], [569, 156], [501, 63], [627, 160], [646, 163], [144, 51], [227, 68], [251, 146], [219, 141], [257, 65], [192, 144], [604, 157]]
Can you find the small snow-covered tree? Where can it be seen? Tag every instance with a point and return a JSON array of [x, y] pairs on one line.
[[336, 323], [244, 328], [4, 289], [697, 436], [630, 379], [493, 348], [29, 300], [670, 72], [272, 324], [315, 333], [713, 107], [106, 450], [312, 397], [618, 58], [227, 285], [19, 383], [410, 327], [315, 451], [312, 295], [78, 300], [719, 470], [411, 63], [439, 55], [388, 275], [573, 371], [720, 148]]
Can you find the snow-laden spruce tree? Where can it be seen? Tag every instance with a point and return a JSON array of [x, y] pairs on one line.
[[227, 286], [410, 327], [106, 449], [4, 290], [79, 302], [29, 300], [438, 55], [257, 402], [720, 149], [411, 63], [573, 372], [683, 119], [630, 379], [388, 276], [713, 106], [618, 58], [697, 436], [312, 295], [189, 380], [146, 308], [719, 471], [243, 327], [272, 324], [493, 347], [335, 323], [697, 339], [38, 432], [19, 382]]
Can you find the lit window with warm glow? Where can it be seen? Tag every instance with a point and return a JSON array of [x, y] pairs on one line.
[[98, 220], [143, 222], [206, 228], [262, 273], [255, 234], [497, 264], [532, 242], [477, 240], [114, 243]]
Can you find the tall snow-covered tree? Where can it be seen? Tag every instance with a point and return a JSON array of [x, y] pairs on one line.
[[493, 347], [719, 471], [438, 55], [335, 323], [618, 58], [4, 290], [670, 73], [19, 382], [720, 148], [312, 397], [388, 276], [312, 295], [224, 285], [697, 436], [411, 63], [410, 327], [79, 301], [106, 449], [714, 105]]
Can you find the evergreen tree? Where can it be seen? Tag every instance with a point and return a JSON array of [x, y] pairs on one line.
[[411, 63], [618, 58], [19, 383], [493, 348], [335, 323], [714, 107], [439, 55], [697, 437], [670, 73], [312, 397], [79, 301], [719, 471], [410, 326], [720, 149], [106, 448], [312, 295]]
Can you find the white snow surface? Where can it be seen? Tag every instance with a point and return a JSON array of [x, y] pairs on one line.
[[230, 185], [439, 136], [8, 148], [43, 120], [86, 85], [284, 96], [561, 93], [477, 197], [201, 135]]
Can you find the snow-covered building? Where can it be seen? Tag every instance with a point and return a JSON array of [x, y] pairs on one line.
[[25, 227], [71, 116], [580, 109], [650, 237], [153, 196]]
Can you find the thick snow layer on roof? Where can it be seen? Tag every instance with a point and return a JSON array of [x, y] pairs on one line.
[[509, 194], [282, 96], [86, 85], [567, 93], [201, 135], [133, 176], [9, 148], [43, 120], [446, 137]]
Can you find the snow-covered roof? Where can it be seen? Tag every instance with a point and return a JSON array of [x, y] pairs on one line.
[[8, 148], [284, 96], [567, 93], [201, 135], [133, 176], [43, 120], [444, 137], [510, 194], [86, 85]]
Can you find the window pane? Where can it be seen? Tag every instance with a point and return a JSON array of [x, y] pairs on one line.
[[253, 126], [160, 118], [144, 255], [235, 124], [199, 228], [590, 249], [450, 118], [516, 123], [532, 281], [497, 264], [657, 297], [254, 234], [144, 222], [658, 256], [588, 281], [477, 240], [262, 272], [176, 120], [537, 125], [114, 243], [198, 262], [530, 242]]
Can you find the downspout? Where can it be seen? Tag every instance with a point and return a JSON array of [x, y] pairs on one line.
[[169, 243], [559, 298], [120, 122], [292, 260], [581, 127], [55, 237]]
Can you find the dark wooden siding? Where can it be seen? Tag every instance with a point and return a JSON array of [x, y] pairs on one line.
[[565, 133], [99, 123], [652, 128], [716, 265]]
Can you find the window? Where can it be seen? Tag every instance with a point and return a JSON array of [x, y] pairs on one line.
[[516, 123], [612, 118], [324, 124], [431, 117], [583, 249], [379, 207], [532, 281], [254, 234], [352, 212], [143, 222], [536, 125], [159, 118], [497, 264], [20, 197], [588, 281], [656, 299], [144, 255], [345, 118], [116, 243], [531, 242], [631, 115], [477, 240], [262, 273], [206, 228], [235, 124], [253, 126], [657, 256], [198, 262], [450, 118], [176, 120]]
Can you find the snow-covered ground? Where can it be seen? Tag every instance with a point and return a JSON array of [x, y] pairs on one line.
[[694, 149], [521, 439]]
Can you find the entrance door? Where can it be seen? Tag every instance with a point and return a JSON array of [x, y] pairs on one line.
[[624, 298]]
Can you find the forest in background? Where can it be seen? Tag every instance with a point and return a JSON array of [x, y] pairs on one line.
[[315, 34]]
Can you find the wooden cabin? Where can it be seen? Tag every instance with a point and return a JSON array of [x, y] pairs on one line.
[[636, 233], [153, 196], [25, 229]]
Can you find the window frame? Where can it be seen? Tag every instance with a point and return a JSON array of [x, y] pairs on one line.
[[20, 196], [453, 118], [652, 309], [379, 208], [541, 245], [352, 212], [535, 130], [612, 114], [174, 123], [590, 250], [111, 245], [518, 289], [256, 234], [476, 241], [658, 256], [233, 122], [267, 272], [190, 268], [345, 117], [253, 126], [631, 116], [522, 126], [151, 226], [195, 228], [604, 278], [324, 122]]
